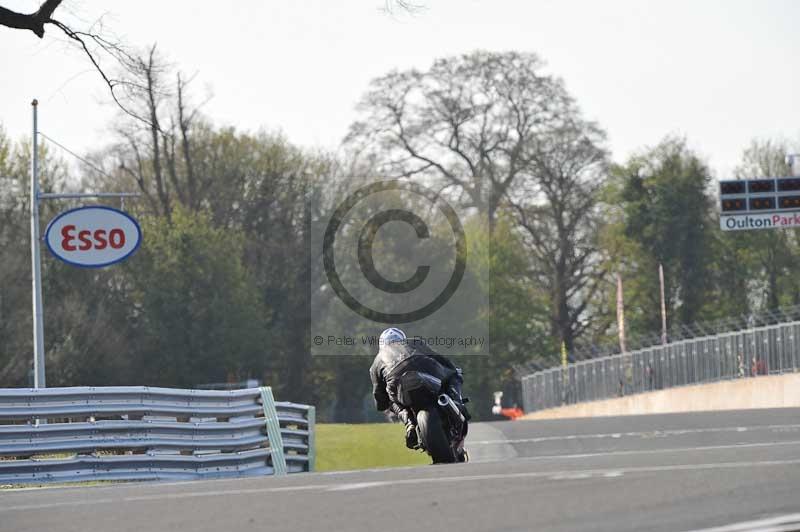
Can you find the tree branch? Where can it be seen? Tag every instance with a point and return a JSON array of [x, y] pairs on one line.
[[31, 21], [35, 22]]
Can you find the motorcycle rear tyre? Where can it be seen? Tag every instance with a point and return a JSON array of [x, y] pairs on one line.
[[433, 438]]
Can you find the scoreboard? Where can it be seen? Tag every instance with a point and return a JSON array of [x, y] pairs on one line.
[[759, 203]]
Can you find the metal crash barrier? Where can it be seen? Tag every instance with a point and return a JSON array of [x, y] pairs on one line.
[[144, 433]]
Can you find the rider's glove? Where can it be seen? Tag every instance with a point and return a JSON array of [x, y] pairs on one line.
[[403, 416], [411, 429], [412, 441]]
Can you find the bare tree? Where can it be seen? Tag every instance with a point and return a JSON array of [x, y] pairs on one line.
[[468, 121], [498, 130], [158, 152], [558, 216], [93, 43], [31, 21]]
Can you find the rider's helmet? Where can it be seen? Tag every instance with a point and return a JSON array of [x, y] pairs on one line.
[[392, 335]]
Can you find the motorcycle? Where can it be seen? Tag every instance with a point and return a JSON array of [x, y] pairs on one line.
[[440, 414]]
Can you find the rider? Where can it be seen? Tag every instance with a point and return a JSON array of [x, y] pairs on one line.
[[396, 356]]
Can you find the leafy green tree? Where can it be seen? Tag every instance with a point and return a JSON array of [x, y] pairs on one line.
[[87, 334], [16, 349], [665, 219], [15, 297], [257, 185], [194, 315], [518, 314], [770, 254]]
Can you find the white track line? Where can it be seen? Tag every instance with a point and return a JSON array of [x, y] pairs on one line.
[[585, 473], [640, 434], [660, 451], [782, 523], [348, 486]]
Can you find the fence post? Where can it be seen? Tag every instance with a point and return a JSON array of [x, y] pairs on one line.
[[273, 431]]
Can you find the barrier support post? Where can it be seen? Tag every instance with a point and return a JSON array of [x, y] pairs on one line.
[[273, 431], [312, 445]]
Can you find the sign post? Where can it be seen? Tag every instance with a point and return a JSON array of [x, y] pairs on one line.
[[36, 262], [39, 374]]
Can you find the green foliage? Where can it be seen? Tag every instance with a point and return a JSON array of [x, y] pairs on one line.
[[666, 219], [15, 278], [196, 318], [517, 313], [765, 260]]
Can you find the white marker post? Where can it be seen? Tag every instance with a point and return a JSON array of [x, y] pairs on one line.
[[36, 259]]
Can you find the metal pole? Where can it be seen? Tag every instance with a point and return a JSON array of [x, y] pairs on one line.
[[620, 315], [82, 195], [663, 305], [36, 266]]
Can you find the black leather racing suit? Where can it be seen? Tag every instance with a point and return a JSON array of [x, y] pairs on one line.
[[395, 359]]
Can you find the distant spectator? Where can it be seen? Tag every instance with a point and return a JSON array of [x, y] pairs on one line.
[[649, 376], [758, 367], [740, 359], [629, 377]]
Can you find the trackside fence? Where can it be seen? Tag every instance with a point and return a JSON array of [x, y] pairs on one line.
[[772, 349], [143, 433]]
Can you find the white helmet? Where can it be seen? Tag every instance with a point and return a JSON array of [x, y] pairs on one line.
[[392, 335]]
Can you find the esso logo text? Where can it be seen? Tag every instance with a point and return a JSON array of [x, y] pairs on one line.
[[93, 237]]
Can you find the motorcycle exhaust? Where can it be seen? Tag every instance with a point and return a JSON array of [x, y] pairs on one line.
[[445, 401]]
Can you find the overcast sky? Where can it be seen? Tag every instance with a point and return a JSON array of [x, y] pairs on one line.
[[720, 72]]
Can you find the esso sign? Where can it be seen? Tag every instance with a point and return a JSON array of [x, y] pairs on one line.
[[93, 237]]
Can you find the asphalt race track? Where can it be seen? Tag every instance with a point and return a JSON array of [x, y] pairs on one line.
[[670, 472]]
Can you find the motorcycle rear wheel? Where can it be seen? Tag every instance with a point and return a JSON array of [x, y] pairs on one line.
[[433, 438]]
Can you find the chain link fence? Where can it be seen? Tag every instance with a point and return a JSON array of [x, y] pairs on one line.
[[678, 332], [771, 349]]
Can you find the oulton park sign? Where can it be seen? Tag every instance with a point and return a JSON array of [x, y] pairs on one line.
[[743, 222]]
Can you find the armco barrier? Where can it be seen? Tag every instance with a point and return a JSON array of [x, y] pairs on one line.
[[142, 433]]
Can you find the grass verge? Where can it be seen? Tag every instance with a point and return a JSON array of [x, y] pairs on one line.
[[342, 447]]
